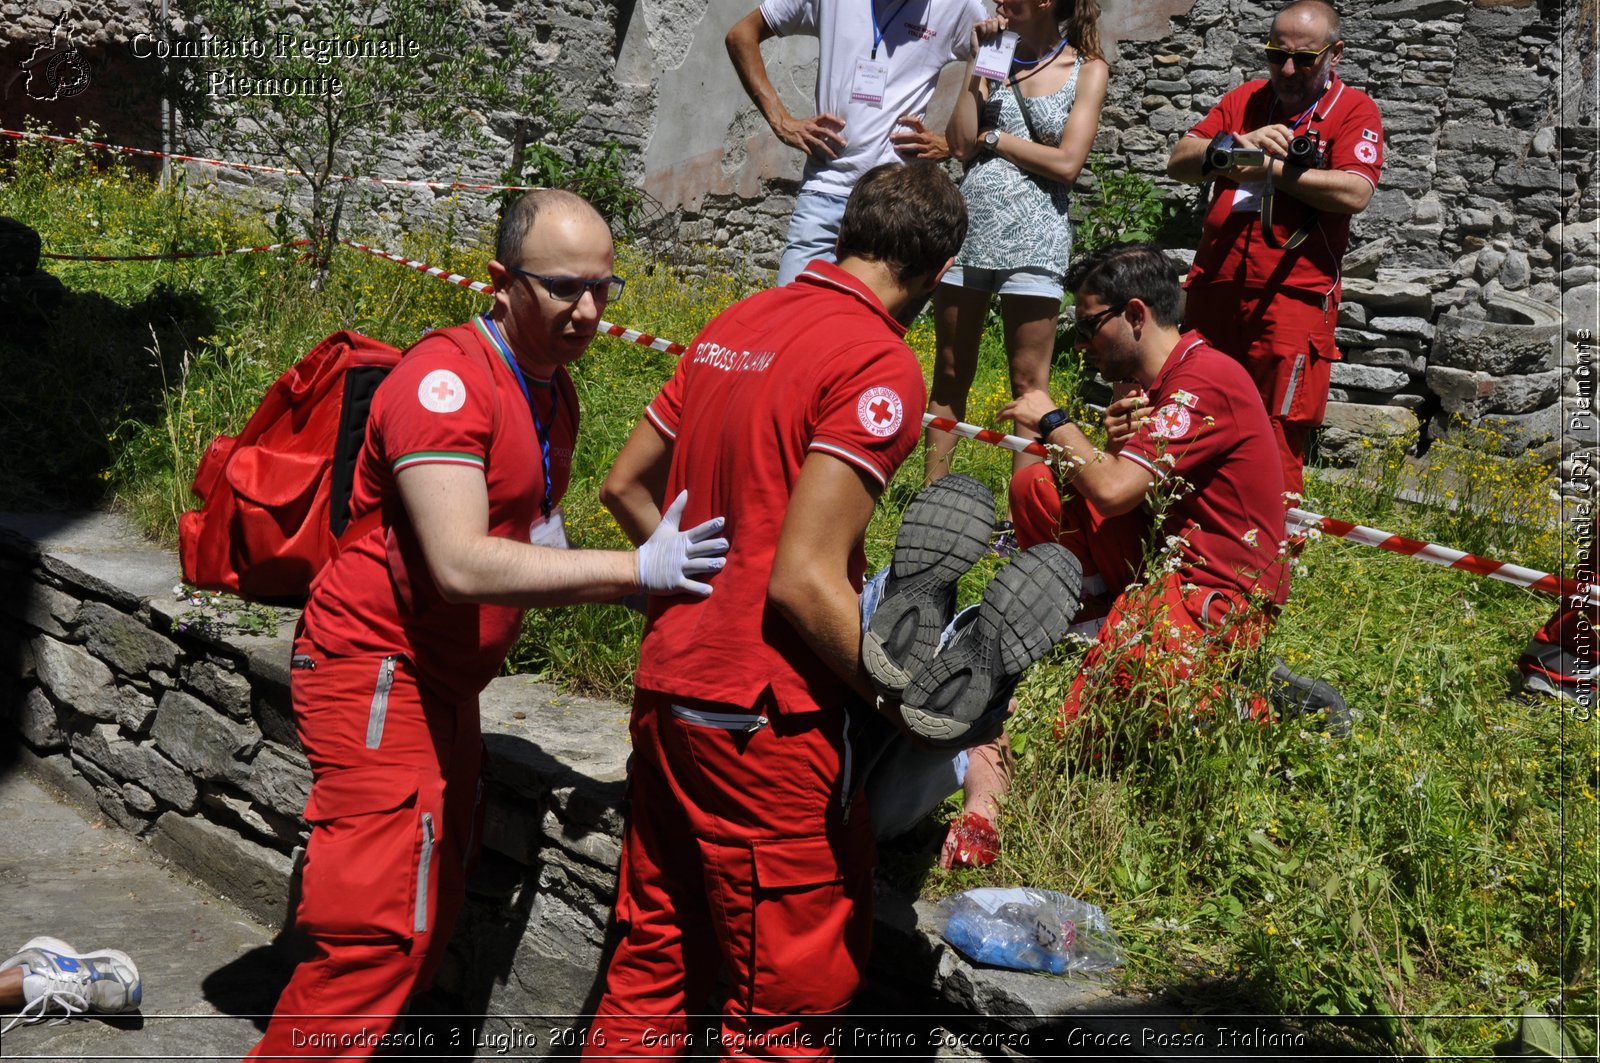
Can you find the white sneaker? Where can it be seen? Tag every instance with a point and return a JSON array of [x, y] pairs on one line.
[[58, 978]]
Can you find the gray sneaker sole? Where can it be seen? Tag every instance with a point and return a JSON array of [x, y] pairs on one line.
[[944, 532], [1292, 695], [1027, 609]]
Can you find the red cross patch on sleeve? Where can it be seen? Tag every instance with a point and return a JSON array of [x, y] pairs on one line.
[[1172, 421], [441, 391], [880, 411]]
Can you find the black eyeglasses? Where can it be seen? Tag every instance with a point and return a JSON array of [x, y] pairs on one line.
[[1084, 328], [571, 289], [1277, 56]]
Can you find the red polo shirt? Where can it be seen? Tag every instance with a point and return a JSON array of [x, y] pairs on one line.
[[1232, 249], [815, 366], [1210, 429], [440, 406]]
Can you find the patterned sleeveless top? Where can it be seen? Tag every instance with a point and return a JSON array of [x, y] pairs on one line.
[[1018, 220]]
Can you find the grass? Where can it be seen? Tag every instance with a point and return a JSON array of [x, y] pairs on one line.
[[1420, 884]]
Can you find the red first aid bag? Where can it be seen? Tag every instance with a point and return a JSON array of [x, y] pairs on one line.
[[276, 497]]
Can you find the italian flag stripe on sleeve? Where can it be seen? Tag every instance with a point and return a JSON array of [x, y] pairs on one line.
[[437, 457]]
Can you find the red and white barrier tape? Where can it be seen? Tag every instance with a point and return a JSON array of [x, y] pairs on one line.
[[168, 255], [643, 339], [1444, 556], [627, 335], [1301, 520], [984, 435], [1298, 519], [20, 134], [423, 267]]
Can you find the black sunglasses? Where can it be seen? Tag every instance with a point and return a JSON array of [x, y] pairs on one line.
[[1084, 328], [1277, 56], [571, 289]]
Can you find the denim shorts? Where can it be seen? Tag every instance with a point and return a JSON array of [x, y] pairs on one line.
[[1040, 282], [813, 232]]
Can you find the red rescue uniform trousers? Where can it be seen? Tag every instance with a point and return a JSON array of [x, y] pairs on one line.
[[1156, 636], [748, 849], [394, 826], [1285, 340]]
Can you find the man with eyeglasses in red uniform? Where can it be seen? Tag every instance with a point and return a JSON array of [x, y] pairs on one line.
[[1291, 158], [457, 529]]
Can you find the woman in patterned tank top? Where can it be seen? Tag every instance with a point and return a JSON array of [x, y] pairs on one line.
[[1020, 170]]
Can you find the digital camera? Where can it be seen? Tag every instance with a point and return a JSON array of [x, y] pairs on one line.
[[1224, 153], [1305, 152]]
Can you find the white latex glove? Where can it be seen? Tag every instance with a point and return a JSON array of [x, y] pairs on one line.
[[670, 558]]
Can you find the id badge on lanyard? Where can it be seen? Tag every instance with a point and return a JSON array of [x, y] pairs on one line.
[[871, 81], [550, 530]]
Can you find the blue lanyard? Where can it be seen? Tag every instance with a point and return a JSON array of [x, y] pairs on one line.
[[1043, 58], [877, 27], [1308, 111], [489, 329]]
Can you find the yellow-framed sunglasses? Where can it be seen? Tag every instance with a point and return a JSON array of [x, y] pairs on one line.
[[1277, 56]]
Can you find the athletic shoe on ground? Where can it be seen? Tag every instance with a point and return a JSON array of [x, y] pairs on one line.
[[944, 532], [971, 842], [1539, 682], [960, 698], [1550, 670], [57, 979], [1292, 694]]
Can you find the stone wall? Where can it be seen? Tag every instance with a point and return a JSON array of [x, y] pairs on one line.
[[175, 725]]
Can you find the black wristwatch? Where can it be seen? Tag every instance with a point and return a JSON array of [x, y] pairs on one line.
[[1050, 422], [991, 141]]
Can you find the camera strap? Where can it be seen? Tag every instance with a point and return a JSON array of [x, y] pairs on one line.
[[1268, 197], [1268, 194]]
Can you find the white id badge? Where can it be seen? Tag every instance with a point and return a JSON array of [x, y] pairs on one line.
[[994, 56], [872, 78], [1247, 198], [550, 531]]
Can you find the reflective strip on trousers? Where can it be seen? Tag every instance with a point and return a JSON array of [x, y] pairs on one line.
[[421, 923], [379, 712], [1294, 382], [845, 789], [722, 721]]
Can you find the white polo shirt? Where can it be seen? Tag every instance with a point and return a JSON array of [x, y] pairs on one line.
[[918, 38]]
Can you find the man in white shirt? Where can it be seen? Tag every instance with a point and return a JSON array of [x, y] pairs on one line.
[[878, 64]]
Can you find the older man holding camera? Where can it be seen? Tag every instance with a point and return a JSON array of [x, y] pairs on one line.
[[1290, 159]]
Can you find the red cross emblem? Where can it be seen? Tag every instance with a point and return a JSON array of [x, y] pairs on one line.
[[441, 391], [880, 411]]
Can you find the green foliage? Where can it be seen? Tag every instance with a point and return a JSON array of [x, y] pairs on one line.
[[444, 84], [595, 175], [1124, 205]]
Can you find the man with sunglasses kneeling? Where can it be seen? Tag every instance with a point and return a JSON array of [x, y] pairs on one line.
[[1291, 158], [1187, 438]]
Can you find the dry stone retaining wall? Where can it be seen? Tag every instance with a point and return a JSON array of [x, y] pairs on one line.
[[177, 728]]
